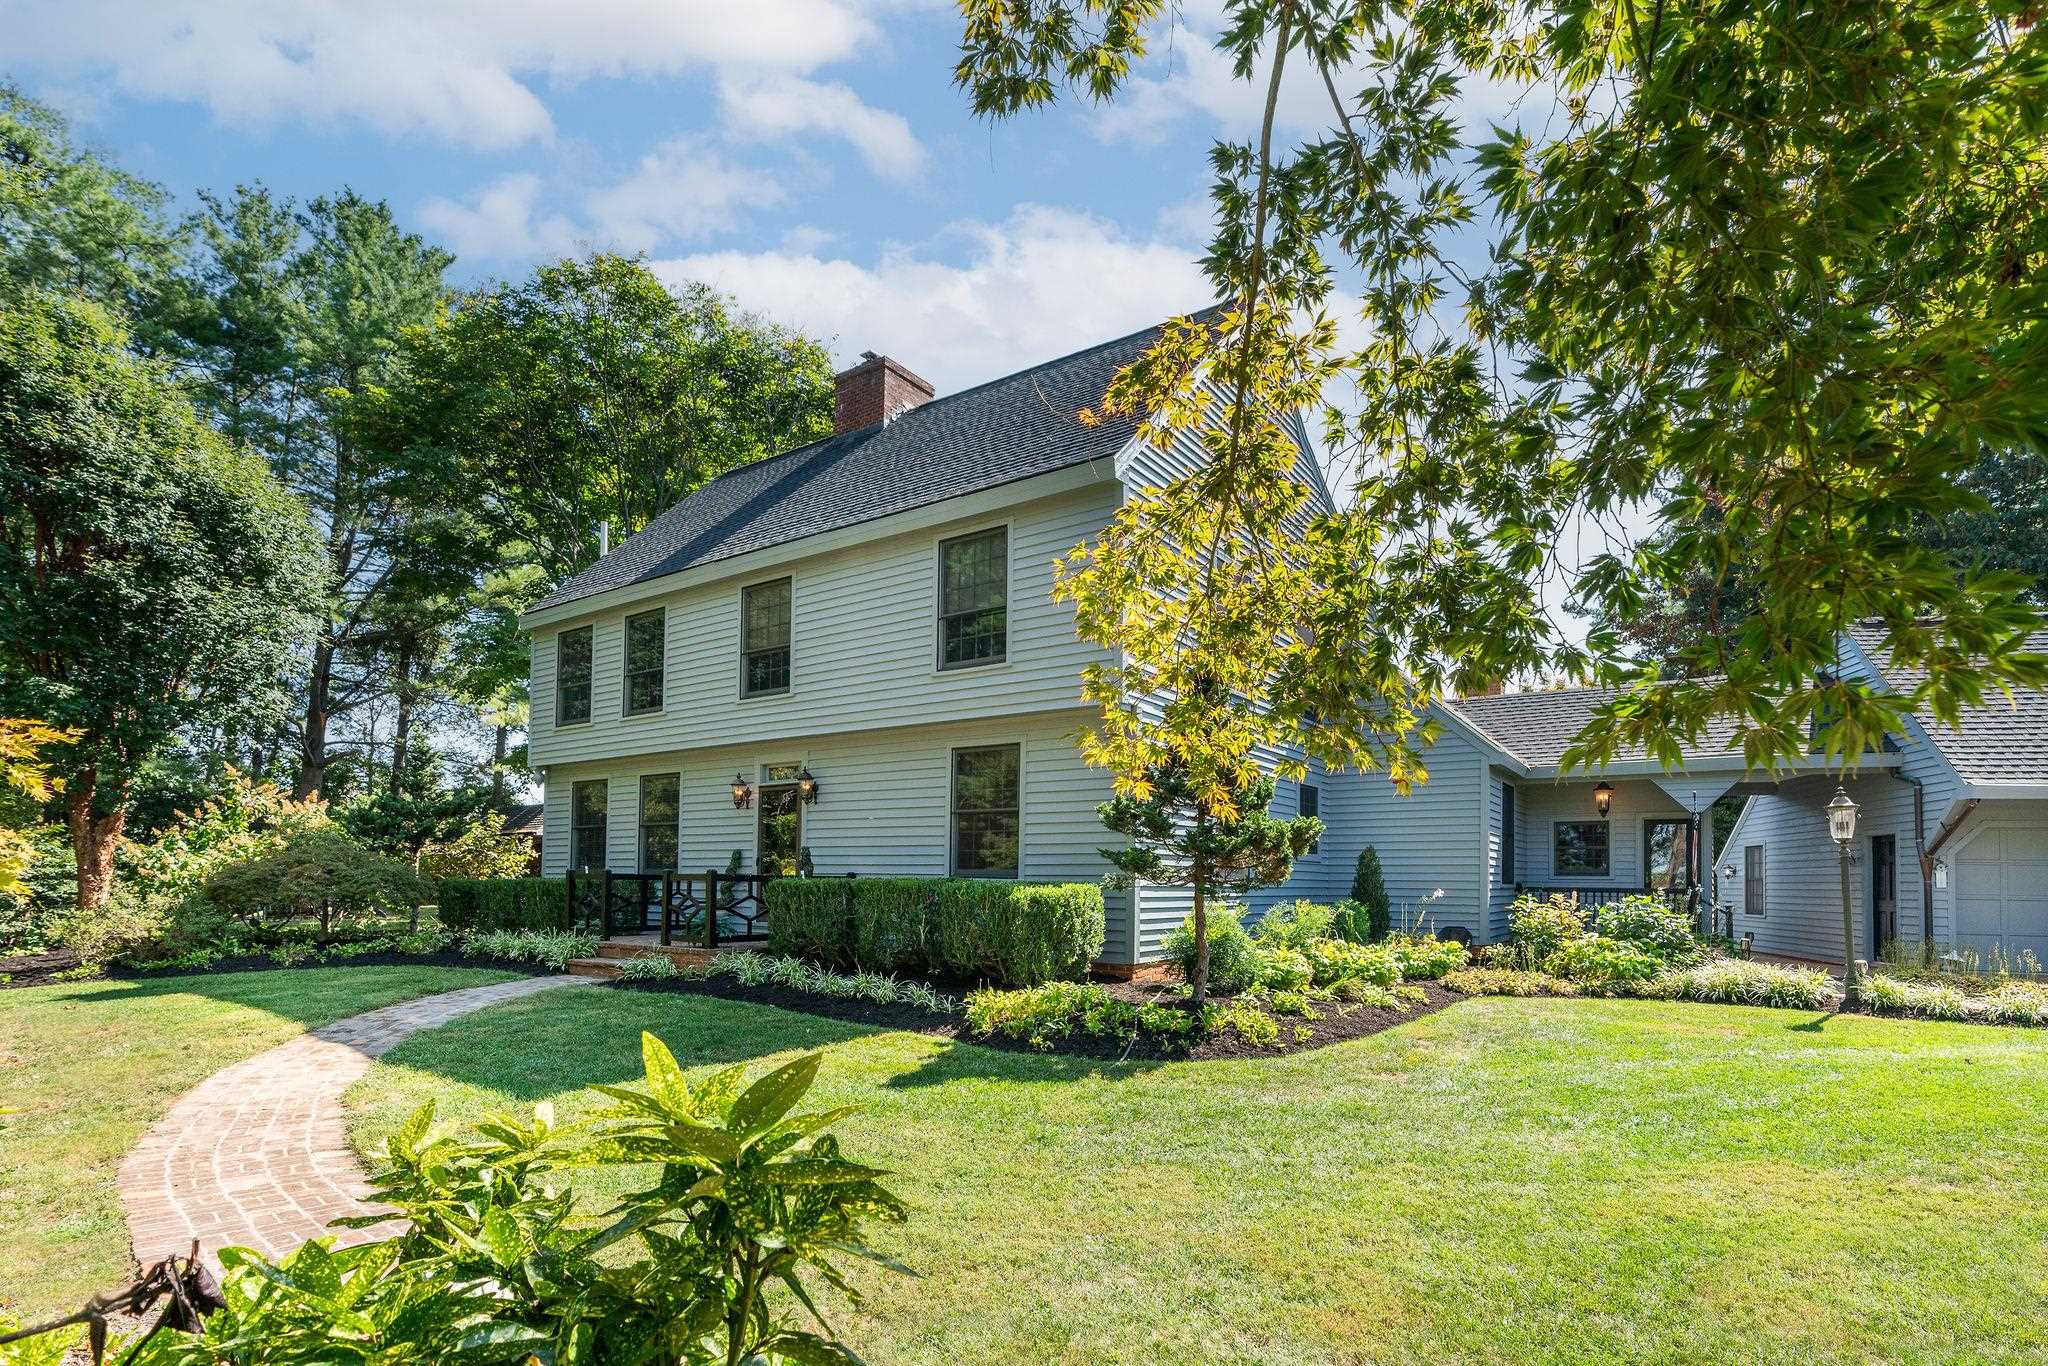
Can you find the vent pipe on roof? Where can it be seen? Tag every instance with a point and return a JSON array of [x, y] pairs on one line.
[[604, 538]]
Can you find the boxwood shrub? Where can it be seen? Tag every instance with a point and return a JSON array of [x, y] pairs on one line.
[[504, 903], [1017, 933]]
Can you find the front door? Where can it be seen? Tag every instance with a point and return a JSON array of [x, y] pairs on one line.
[[1884, 892], [779, 834], [1667, 855]]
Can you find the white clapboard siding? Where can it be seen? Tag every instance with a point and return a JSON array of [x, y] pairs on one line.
[[863, 647], [882, 807]]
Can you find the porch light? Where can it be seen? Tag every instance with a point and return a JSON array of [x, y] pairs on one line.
[[1728, 871], [1603, 797], [742, 793], [806, 786], [1841, 817]]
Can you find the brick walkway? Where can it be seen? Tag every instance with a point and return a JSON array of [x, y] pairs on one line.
[[257, 1155]]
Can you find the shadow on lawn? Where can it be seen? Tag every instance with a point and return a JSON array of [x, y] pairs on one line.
[[312, 996]]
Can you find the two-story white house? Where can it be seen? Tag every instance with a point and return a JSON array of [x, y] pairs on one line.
[[852, 649]]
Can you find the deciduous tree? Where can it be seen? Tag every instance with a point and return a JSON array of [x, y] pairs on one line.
[[150, 579]]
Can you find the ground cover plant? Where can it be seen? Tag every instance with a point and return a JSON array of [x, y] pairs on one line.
[[86, 1067], [1505, 1180]]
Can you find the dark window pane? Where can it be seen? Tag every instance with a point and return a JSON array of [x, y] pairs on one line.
[[1581, 849], [660, 807], [1753, 879], [572, 676], [1310, 804], [1507, 834], [986, 824], [974, 589], [764, 637], [644, 648], [588, 808]]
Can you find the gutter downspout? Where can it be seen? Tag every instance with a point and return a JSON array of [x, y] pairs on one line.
[[1926, 856]]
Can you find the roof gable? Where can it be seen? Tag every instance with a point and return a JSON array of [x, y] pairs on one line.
[[1999, 742], [997, 433]]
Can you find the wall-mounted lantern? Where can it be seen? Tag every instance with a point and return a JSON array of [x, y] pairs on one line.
[[806, 786], [1603, 797], [742, 793]]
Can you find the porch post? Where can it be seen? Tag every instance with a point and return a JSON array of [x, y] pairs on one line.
[[604, 905], [1705, 878]]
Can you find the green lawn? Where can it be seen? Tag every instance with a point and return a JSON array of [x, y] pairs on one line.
[[1505, 1181], [89, 1065]]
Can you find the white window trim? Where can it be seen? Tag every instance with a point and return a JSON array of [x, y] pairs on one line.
[[626, 712], [555, 721], [1560, 874], [739, 682], [940, 669], [952, 782]]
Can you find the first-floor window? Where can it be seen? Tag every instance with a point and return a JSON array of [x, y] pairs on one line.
[[588, 803], [1581, 849], [660, 820], [986, 811], [1752, 879], [1310, 803]]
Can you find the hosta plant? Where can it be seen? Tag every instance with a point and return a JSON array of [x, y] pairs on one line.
[[498, 1264]]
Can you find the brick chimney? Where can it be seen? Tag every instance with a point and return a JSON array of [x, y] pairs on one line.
[[874, 391]]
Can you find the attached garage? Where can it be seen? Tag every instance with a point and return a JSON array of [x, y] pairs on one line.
[[2001, 884]]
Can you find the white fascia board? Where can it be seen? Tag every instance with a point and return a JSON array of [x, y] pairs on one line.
[[1711, 763], [966, 506]]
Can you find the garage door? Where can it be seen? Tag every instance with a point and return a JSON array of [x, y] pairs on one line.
[[2002, 887]]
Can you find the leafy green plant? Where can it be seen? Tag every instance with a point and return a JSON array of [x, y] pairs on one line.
[[550, 949], [1485, 981], [1280, 969], [497, 1263], [1295, 925], [1335, 960], [319, 873], [651, 967], [1540, 926], [1737, 981], [1295, 1003], [1651, 923], [1424, 957], [1232, 967], [1364, 991], [1601, 963], [1244, 1019]]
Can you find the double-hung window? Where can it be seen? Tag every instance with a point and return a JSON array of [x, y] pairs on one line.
[[660, 821], [588, 805], [764, 638], [1507, 834], [986, 811], [974, 598], [1310, 803], [572, 676], [1580, 849], [645, 647], [1753, 889]]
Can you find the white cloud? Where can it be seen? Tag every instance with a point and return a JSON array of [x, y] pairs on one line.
[[1042, 282], [501, 223], [681, 191], [779, 108], [447, 69]]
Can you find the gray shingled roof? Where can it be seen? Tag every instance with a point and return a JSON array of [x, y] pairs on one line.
[[1008, 429], [2002, 741], [1536, 727]]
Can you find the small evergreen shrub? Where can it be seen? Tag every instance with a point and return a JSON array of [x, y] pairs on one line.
[[1295, 925], [1232, 967], [504, 903], [811, 918], [1018, 933], [1369, 890]]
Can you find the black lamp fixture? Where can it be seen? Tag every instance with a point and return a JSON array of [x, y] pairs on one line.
[[742, 794], [806, 786], [1603, 797]]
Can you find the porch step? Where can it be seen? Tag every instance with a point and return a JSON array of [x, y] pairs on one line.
[[601, 968], [684, 954]]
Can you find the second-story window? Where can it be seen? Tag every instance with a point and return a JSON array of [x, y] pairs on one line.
[[764, 638], [974, 598], [645, 646], [572, 676]]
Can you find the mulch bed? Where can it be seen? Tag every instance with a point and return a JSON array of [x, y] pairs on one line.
[[34, 969], [1341, 1020]]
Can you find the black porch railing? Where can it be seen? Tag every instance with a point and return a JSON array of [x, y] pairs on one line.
[[707, 909]]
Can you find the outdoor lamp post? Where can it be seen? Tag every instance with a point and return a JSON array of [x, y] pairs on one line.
[[1842, 829]]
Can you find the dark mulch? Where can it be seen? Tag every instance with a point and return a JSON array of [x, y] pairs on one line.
[[34, 969], [1341, 1021], [258, 963]]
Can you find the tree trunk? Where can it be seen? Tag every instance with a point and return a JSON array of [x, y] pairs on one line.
[[93, 839], [313, 737], [401, 729], [1200, 980], [498, 767]]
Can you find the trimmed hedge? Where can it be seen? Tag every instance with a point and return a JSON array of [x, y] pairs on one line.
[[1020, 934], [504, 903]]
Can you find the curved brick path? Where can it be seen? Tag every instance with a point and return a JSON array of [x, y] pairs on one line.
[[257, 1155]]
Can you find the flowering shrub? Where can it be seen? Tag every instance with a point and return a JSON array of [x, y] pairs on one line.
[[1231, 966]]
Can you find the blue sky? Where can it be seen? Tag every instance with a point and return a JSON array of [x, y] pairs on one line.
[[809, 156]]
